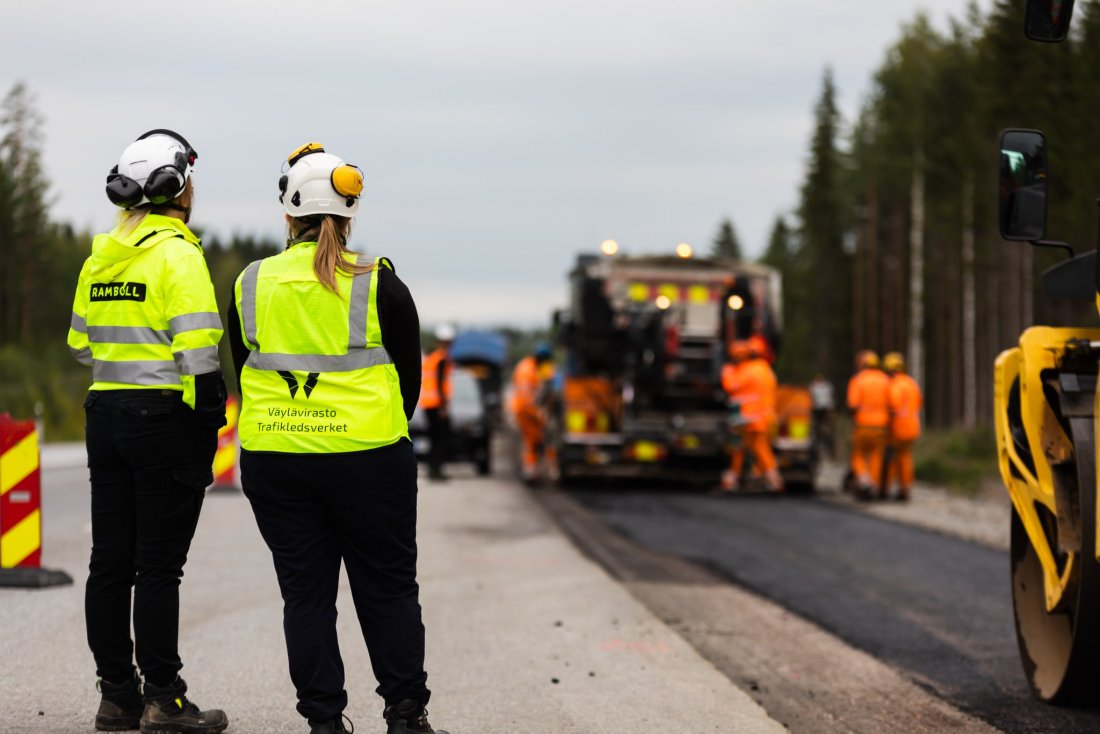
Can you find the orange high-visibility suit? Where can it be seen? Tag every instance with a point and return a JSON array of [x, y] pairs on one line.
[[905, 405], [527, 380], [433, 395], [752, 383], [869, 400]]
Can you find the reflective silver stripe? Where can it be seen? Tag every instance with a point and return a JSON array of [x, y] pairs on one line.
[[82, 355], [355, 360], [192, 321], [78, 323], [198, 361], [357, 315], [248, 301], [145, 372], [128, 335]]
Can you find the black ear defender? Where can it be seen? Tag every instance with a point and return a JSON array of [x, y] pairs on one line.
[[162, 185], [282, 187], [123, 191]]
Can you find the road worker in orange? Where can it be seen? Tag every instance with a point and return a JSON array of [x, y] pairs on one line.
[[530, 375], [869, 401], [750, 381], [906, 401], [435, 397]]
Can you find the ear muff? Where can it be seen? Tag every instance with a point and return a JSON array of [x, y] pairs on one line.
[[167, 182], [123, 191], [348, 182], [282, 186]]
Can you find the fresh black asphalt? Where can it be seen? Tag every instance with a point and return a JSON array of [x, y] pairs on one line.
[[934, 607]]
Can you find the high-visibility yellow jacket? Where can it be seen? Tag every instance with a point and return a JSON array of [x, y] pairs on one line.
[[144, 315], [317, 378]]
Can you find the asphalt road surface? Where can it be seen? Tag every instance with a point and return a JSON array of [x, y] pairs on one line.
[[934, 608]]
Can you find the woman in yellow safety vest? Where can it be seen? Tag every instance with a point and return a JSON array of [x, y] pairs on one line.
[[326, 345], [145, 320]]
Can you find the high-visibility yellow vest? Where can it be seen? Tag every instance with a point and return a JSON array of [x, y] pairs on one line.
[[144, 315], [317, 379]]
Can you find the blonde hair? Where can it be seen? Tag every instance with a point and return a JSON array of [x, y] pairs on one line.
[[332, 253], [129, 219]]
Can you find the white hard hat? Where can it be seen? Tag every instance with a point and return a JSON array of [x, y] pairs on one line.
[[320, 183], [152, 170], [445, 333]]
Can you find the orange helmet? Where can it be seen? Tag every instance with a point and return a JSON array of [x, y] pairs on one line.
[[866, 359], [740, 350]]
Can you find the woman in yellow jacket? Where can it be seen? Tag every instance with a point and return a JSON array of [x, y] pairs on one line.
[[327, 348], [145, 320]]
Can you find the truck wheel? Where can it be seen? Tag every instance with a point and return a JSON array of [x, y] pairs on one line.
[[1060, 650]]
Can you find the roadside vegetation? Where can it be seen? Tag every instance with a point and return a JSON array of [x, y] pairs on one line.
[[960, 460]]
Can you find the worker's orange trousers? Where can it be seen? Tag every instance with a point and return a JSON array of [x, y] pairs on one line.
[[868, 449], [530, 425], [901, 466], [759, 445]]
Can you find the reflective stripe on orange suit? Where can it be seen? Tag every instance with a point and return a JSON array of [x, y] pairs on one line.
[[430, 396], [869, 399], [905, 405]]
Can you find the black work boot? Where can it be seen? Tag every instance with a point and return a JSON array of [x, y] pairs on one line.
[[408, 717], [336, 726], [167, 711], [121, 705]]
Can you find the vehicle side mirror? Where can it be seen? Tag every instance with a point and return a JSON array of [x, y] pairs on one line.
[[1048, 20], [1022, 185]]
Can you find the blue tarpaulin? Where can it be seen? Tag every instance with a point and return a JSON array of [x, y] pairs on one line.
[[479, 346]]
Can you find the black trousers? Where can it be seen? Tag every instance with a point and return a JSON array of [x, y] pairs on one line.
[[315, 510], [439, 434], [150, 466]]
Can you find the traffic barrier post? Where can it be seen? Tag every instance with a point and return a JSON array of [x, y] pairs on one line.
[[21, 508], [225, 460]]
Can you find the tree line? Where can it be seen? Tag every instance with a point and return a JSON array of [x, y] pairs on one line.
[[895, 246]]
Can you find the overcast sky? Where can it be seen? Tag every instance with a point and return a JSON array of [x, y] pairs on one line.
[[498, 137]]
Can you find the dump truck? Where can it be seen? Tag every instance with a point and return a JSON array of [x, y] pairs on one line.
[[644, 339]]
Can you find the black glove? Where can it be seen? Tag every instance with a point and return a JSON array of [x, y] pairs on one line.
[[210, 396]]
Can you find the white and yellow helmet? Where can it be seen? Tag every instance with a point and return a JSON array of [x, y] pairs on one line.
[[317, 182]]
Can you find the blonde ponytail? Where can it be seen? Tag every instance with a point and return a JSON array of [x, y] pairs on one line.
[[332, 254]]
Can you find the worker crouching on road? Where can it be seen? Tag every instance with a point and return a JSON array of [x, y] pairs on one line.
[[869, 401], [327, 348], [529, 377], [750, 382], [435, 399], [145, 319], [905, 406]]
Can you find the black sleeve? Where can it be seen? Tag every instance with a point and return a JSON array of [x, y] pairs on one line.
[[400, 326], [237, 347]]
